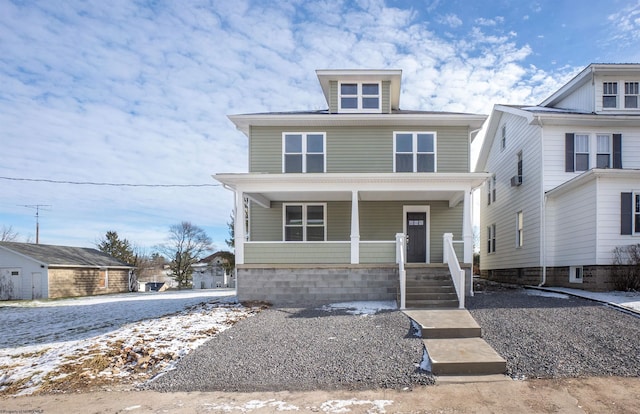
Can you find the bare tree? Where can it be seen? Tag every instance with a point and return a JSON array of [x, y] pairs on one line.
[[8, 234], [184, 247]]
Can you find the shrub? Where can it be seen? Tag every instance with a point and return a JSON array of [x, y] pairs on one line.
[[625, 271]]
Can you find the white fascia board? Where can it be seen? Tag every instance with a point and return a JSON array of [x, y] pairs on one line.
[[243, 122], [260, 183], [591, 120], [592, 175], [24, 256]]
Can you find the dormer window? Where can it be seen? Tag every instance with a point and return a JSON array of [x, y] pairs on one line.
[[631, 94], [359, 97], [610, 94]]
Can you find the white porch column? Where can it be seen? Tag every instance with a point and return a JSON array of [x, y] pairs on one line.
[[467, 232], [238, 227], [355, 228]]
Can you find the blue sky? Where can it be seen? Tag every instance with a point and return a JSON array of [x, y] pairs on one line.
[[138, 92]]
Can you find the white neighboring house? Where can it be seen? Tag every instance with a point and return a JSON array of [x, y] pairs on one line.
[[565, 185], [210, 273]]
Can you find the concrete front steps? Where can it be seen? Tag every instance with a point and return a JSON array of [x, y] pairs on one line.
[[429, 287], [453, 342]]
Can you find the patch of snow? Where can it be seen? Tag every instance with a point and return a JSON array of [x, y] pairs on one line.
[[342, 406], [417, 329], [252, 405], [361, 308], [135, 347], [629, 300], [425, 364], [535, 292]]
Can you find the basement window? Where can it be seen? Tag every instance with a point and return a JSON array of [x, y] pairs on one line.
[[575, 274]]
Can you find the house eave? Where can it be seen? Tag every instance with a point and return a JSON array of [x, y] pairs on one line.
[[591, 175], [245, 121]]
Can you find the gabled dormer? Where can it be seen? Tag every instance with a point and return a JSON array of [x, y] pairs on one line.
[[601, 89], [356, 91]]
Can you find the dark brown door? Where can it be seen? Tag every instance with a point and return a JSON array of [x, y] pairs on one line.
[[416, 237]]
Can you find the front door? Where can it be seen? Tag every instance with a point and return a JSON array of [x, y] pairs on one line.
[[416, 237]]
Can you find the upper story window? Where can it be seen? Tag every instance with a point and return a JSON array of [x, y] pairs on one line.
[[491, 190], [491, 238], [303, 152], [610, 94], [636, 213], [603, 156], [359, 97], [582, 152], [631, 94], [304, 222], [414, 151], [503, 141], [519, 229], [519, 166]]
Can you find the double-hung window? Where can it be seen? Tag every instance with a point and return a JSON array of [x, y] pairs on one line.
[[304, 222], [414, 151], [491, 238], [519, 229], [359, 97], [491, 190], [503, 141], [304, 152], [631, 92], [610, 94], [582, 152], [636, 213], [603, 156]]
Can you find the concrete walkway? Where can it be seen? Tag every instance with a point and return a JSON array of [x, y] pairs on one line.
[[452, 339]]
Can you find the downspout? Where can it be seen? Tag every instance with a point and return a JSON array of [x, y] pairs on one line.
[[543, 210]]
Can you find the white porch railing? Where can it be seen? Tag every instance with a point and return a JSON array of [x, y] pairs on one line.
[[457, 274], [400, 240]]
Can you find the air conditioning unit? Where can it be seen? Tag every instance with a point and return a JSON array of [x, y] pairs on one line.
[[516, 180]]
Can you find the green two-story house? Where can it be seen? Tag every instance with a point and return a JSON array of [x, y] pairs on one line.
[[337, 200]]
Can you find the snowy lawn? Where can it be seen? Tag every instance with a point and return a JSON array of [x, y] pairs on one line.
[[71, 344]]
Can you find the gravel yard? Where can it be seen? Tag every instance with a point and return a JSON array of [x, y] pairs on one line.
[[556, 337], [299, 349]]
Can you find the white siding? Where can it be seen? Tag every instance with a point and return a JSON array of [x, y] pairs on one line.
[[509, 200], [581, 99], [554, 151], [608, 201], [24, 289], [571, 219]]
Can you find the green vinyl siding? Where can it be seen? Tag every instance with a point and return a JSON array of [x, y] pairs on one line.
[[445, 220], [333, 97], [386, 97], [380, 220], [360, 149], [377, 252], [266, 223], [297, 252]]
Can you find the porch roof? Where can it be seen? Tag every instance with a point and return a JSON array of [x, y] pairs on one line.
[[265, 188]]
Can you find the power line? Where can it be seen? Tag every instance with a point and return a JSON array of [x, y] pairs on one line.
[[44, 180]]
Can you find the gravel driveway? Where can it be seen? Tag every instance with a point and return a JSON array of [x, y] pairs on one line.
[[308, 349]]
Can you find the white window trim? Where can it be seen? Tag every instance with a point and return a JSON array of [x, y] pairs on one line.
[[415, 148], [519, 230], [491, 236], [304, 150], [304, 221], [573, 271], [359, 97], [634, 194], [620, 95]]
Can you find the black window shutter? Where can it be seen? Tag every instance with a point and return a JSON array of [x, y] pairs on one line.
[[569, 141], [617, 150], [626, 218]]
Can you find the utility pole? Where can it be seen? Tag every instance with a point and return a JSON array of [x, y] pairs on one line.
[[37, 207]]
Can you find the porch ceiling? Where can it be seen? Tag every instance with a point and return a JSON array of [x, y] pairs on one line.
[[362, 195]]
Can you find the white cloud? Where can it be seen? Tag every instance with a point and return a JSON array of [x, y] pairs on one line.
[[451, 20], [139, 93]]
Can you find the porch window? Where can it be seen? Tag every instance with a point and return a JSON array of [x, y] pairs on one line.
[[359, 97], [304, 222], [414, 151], [303, 152]]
